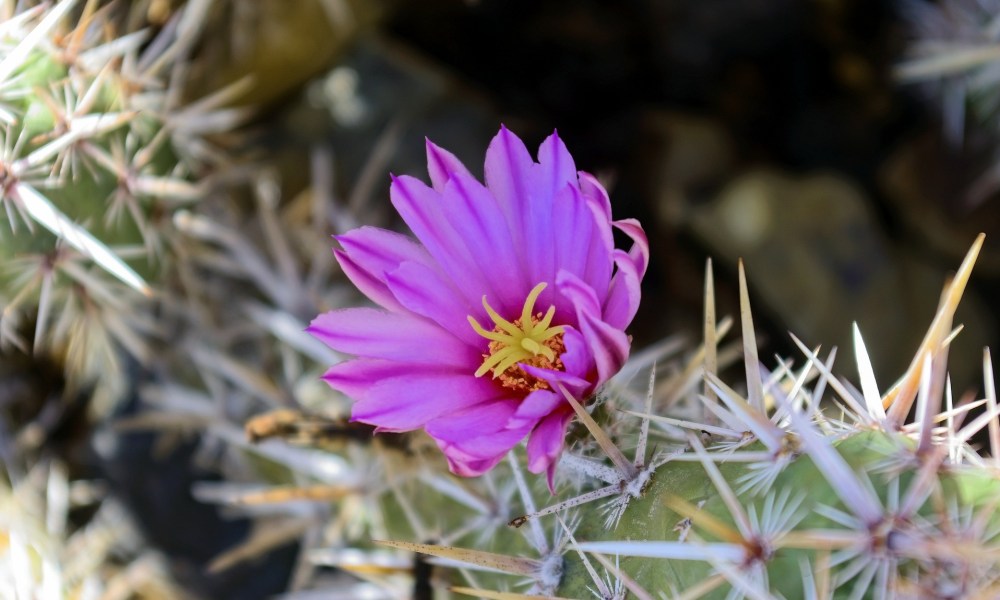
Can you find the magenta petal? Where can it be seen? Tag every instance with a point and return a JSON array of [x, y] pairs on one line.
[[639, 253], [488, 243], [441, 165], [572, 383], [576, 359], [536, 406], [367, 283], [572, 236], [354, 377], [585, 248], [608, 345], [599, 263], [464, 466], [424, 212], [409, 402], [508, 171], [583, 240], [583, 297], [623, 296], [378, 250], [489, 447], [426, 292], [546, 444], [369, 252], [476, 421], [557, 168], [595, 193], [554, 173], [371, 333]]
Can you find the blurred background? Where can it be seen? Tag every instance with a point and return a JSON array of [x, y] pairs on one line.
[[800, 136], [846, 150]]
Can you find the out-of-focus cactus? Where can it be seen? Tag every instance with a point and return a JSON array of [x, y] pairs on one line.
[[954, 55], [98, 153], [954, 58], [44, 555]]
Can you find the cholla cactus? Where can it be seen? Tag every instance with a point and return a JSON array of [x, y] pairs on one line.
[[42, 555], [98, 153], [802, 487], [954, 55]]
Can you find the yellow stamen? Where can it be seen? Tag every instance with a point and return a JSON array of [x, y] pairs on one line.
[[530, 340]]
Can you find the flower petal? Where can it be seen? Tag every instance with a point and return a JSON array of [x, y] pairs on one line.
[[379, 250], [536, 406], [481, 419], [577, 358], [556, 166], [426, 292], [583, 296], [599, 258], [599, 263], [624, 293], [423, 211], [594, 192], [371, 333], [575, 385], [508, 171], [369, 252], [465, 466], [582, 239], [355, 377], [477, 218], [554, 172], [487, 445], [477, 455], [441, 165], [409, 402], [367, 283], [546, 444], [608, 345], [639, 253]]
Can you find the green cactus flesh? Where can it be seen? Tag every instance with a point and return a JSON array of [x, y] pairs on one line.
[[650, 518]]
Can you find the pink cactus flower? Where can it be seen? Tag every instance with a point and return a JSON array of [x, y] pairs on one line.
[[511, 295]]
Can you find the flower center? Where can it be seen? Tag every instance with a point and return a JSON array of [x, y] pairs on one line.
[[530, 340]]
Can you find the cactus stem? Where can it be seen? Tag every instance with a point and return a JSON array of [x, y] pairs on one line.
[[717, 431], [604, 587]]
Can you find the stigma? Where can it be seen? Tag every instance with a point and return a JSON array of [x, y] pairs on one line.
[[530, 339]]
